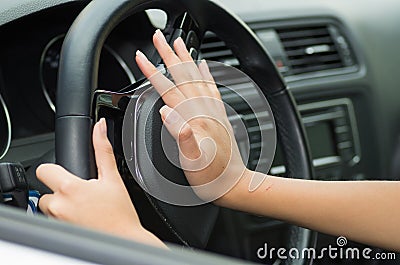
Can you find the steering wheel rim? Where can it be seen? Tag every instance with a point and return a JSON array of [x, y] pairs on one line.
[[78, 80]]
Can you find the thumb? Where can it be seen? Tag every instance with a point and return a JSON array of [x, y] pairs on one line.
[[181, 131], [105, 160]]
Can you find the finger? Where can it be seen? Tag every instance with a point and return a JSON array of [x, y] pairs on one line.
[[104, 154], [54, 176], [182, 52], [182, 132], [52, 205], [171, 95], [217, 103], [167, 54], [209, 79], [188, 77], [180, 73], [44, 202]]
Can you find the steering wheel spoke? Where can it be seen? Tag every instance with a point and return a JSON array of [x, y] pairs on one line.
[[105, 101], [112, 107]]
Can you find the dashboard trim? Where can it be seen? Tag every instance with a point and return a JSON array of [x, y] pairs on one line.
[[7, 116], [116, 56], [13, 10], [42, 58]]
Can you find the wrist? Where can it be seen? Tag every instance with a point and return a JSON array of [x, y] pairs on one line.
[[229, 198], [149, 238], [144, 236]]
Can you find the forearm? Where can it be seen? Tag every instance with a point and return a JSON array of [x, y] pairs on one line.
[[365, 211], [150, 239], [143, 236]]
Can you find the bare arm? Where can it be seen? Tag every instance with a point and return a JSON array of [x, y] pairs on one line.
[[364, 211]]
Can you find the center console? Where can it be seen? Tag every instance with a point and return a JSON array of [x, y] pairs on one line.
[[333, 138], [334, 141], [332, 133]]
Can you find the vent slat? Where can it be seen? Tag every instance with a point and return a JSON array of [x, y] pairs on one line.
[[214, 49], [316, 60], [307, 42], [302, 33], [218, 54], [315, 68], [212, 45], [309, 49], [302, 51]]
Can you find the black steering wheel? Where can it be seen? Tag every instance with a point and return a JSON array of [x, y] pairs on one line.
[[78, 104]]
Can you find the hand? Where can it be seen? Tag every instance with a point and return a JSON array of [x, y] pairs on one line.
[[103, 204], [195, 116]]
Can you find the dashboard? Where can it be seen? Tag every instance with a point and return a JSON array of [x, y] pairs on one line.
[[30, 59], [339, 59]]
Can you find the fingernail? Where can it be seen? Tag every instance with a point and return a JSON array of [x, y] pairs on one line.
[[171, 117], [203, 67], [160, 36], [162, 112], [141, 56], [179, 42], [103, 126], [204, 64]]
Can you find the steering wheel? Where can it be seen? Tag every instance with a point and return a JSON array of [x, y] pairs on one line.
[[78, 104]]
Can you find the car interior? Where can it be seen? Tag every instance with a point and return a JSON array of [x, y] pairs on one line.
[[329, 70]]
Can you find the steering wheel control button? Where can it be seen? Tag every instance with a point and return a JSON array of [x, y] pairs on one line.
[[192, 40], [14, 185]]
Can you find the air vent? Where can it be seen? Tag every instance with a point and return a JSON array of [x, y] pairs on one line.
[[214, 49], [314, 48]]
